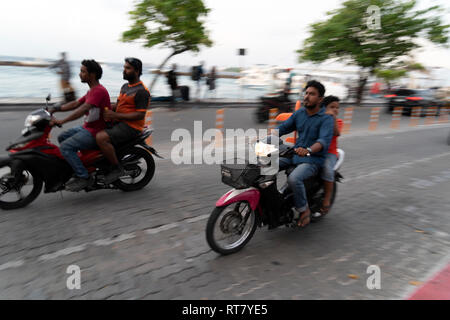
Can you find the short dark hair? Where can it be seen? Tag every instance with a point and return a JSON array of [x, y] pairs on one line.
[[93, 66], [329, 99], [317, 85], [136, 63]]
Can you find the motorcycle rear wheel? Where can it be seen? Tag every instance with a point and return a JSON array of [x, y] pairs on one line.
[[10, 185], [124, 183], [240, 221]]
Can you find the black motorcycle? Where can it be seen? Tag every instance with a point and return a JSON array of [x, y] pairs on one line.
[[278, 101], [256, 201]]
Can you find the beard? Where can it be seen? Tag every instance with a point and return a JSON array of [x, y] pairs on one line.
[[310, 107], [128, 77]]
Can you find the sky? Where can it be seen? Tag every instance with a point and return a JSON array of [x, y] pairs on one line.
[[271, 31]]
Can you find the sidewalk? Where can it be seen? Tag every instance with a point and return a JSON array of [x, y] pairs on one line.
[[437, 288]]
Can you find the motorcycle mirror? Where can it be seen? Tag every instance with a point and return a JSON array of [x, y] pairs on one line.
[[49, 97]]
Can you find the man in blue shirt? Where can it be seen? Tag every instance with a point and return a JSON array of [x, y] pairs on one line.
[[315, 132]]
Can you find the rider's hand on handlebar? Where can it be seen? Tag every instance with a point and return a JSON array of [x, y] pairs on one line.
[[56, 122], [302, 152]]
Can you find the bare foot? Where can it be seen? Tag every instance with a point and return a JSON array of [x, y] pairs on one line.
[[305, 219]]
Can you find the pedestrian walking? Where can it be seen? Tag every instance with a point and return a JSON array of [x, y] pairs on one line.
[[197, 74], [211, 82], [64, 71], [172, 81]]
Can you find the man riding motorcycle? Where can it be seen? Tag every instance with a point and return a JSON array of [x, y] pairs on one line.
[[129, 116], [92, 105], [315, 132]]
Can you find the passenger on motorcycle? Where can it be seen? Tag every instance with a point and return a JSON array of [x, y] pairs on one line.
[[92, 106], [128, 116], [315, 132], [331, 105]]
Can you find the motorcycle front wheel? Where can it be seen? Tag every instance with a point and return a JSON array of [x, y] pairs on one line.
[[230, 228], [19, 189]]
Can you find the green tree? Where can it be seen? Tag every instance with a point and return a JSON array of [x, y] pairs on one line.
[[173, 24], [389, 75], [350, 35]]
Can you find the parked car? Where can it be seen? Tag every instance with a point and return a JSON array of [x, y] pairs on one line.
[[409, 98]]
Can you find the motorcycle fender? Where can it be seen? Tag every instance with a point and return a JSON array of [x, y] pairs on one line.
[[153, 151], [250, 195]]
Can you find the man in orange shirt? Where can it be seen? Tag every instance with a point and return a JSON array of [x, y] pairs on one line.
[[331, 103], [128, 116]]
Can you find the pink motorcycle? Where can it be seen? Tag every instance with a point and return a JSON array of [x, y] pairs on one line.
[[256, 201]]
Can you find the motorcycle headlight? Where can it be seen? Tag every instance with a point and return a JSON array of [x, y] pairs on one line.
[[31, 119]]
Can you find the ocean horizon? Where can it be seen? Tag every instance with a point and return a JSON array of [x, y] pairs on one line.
[[38, 82]]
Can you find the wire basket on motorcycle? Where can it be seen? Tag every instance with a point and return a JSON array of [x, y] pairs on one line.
[[239, 175]]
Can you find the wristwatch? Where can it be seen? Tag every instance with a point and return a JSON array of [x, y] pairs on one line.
[[309, 150]]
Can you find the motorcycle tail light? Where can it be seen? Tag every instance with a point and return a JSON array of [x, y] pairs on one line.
[[414, 98]]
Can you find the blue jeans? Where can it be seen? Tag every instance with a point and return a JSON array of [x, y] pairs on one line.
[[328, 167], [73, 140], [302, 172]]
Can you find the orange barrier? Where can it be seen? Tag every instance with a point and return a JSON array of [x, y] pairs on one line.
[[431, 114], [443, 118], [374, 118], [348, 117], [415, 116], [149, 124], [220, 116], [273, 118], [396, 117]]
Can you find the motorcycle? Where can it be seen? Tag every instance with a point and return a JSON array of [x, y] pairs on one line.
[[256, 201], [33, 161], [279, 101]]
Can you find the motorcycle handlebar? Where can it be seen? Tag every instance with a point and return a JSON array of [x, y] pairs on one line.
[[290, 152]]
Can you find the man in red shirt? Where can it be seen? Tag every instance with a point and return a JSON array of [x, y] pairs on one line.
[[128, 116], [331, 103], [92, 106]]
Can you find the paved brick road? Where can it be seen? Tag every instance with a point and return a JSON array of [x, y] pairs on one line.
[[392, 212]]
